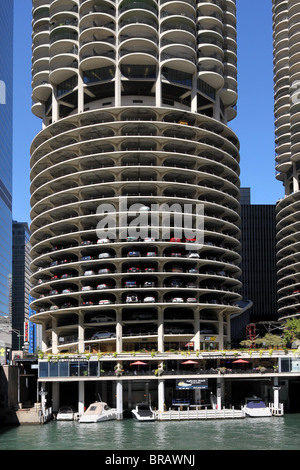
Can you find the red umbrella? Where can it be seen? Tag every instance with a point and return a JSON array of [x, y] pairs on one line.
[[240, 361], [190, 362], [138, 363]]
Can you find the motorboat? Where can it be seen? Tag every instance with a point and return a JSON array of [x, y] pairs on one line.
[[143, 412], [256, 408], [65, 413], [98, 412]]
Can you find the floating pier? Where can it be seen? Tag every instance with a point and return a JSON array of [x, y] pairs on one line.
[[197, 414]]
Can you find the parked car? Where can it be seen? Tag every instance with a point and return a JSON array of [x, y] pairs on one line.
[[102, 286], [104, 255], [105, 302], [86, 242], [54, 263], [103, 335], [141, 316], [54, 307], [191, 285], [134, 269], [175, 240], [86, 258], [53, 292], [133, 253], [176, 283], [66, 276], [193, 254], [104, 271], [131, 239], [193, 270], [87, 302], [132, 299], [86, 288], [130, 284], [89, 273], [149, 284], [149, 299], [144, 208], [191, 300], [190, 240], [176, 255], [177, 300], [151, 253], [149, 270], [100, 241], [54, 278], [173, 329], [177, 269], [102, 318], [149, 239], [67, 291]]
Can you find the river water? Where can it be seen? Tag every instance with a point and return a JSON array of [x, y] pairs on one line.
[[282, 433]]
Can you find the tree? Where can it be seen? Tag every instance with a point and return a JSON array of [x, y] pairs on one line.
[[270, 341], [291, 330]]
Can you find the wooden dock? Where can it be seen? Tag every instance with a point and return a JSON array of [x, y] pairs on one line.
[[188, 414]]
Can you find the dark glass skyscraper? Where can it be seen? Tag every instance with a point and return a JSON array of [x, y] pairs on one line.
[[6, 109]]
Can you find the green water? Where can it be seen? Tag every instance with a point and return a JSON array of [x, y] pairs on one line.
[[242, 434]]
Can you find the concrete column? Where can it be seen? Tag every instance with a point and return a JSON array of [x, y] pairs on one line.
[[119, 393], [119, 333], [276, 389], [54, 336], [228, 330], [81, 397], [158, 89], [220, 330], [44, 341], [160, 330], [295, 179], [129, 395], [217, 110], [118, 99], [55, 396], [220, 392], [55, 106], [197, 330], [80, 333], [161, 395], [194, 94], [80, 94]]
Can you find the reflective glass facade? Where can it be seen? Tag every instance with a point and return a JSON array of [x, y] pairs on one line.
[[6, 99]]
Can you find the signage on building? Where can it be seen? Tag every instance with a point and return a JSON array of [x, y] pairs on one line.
[[191, 384], [26, 332]]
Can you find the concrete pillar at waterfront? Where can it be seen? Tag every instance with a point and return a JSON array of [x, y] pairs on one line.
[[276, 390], [80, 397], [220, 392], [161, 395], [55, 396], [119, 393]]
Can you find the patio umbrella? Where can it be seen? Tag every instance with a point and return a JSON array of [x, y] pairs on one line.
[[190, 362], [139, 363], [240, 361]]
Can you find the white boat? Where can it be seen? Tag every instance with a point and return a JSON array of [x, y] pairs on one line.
[[98, 412], [143, 412], [256, 408], [65, 413]]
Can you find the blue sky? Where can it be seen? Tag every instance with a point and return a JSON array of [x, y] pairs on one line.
[[254, 125]]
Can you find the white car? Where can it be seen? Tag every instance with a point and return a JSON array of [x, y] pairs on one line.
[[191, 300], [104, 255], [177, 300], [149, 299], [89, 273], [103, 240], [193, 254], [102, 286], [105, 302], [85, 288]]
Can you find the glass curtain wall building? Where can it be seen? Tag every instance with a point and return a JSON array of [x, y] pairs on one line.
[[286, 46], [6, 99], [135, 100]]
